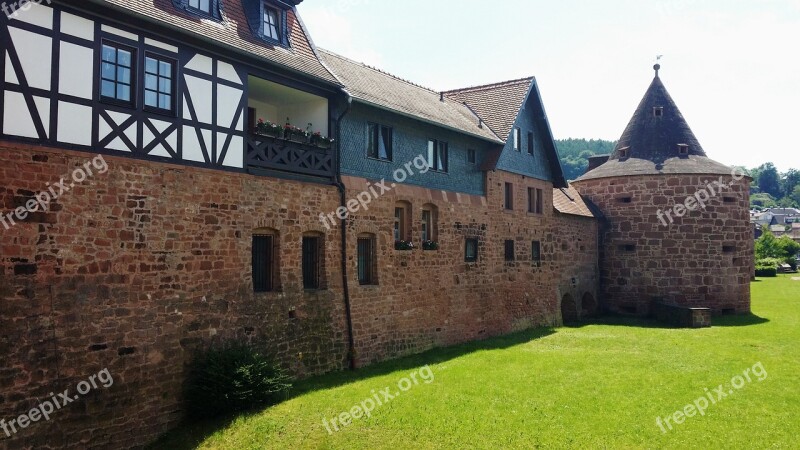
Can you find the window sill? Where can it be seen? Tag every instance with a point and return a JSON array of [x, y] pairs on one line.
[[119, 103], [379, 159]]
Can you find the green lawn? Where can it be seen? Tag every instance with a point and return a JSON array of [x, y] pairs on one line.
[[596, 386]]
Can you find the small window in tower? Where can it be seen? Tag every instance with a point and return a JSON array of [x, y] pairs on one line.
[[628, 247], [658, 111], [729, 199], [683, 149], [624, 152], [728, 248], [625, 199]]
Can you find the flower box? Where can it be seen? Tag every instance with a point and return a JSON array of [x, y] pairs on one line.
[[430, 245], [403, 245]]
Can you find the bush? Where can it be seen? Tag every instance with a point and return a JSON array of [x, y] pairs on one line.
[[233, 379], [767, 267]]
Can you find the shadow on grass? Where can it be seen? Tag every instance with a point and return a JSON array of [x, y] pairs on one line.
[[190, 435], [738, 320]]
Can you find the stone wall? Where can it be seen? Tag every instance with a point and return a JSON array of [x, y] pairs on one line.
[[702, 259], [137, 269]]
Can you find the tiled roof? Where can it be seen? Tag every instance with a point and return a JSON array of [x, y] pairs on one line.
[[498, 104], [569, 201], [651, 141], [234, 31], [370, 85]]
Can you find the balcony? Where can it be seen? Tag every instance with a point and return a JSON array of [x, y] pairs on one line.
[[288, 131], [276, 153]]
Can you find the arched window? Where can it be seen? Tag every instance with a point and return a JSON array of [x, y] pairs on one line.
[[430, 224], [402, 221], [265, 260]]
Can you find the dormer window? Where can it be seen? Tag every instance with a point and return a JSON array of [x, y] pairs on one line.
[[658, 111], [209, 8], [624, 152], [201, 5], [272, 23], [683, 149]]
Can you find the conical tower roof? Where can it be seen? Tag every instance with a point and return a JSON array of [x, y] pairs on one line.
[[657, 140]]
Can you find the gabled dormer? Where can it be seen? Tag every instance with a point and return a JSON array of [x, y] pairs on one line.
[[515, 112], [209, 9], [268, 20]]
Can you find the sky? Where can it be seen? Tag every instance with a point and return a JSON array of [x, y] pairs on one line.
[[732, 66]]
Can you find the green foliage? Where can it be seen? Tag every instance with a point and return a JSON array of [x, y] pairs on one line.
[[767, 246], [575, 154], [767, 267], [233, 379], [769, 180], [763, 201], [790, 250]]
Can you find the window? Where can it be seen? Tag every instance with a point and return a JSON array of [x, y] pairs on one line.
[[366, 260], [683, 149], [437, 155], [380, 142], [312, 246], [628, 247], [728, 248], [530, 143], [399, 224], [658, 111], [536, 252], [117, 72], [625, 199], [509, 196], [624, 152], [201, 5], [158, 90], [264, 263], [471, 250], [272, 23], [509, 251], [517, 138], [539, 201], [531, 200], [426, 225], [471, 157]]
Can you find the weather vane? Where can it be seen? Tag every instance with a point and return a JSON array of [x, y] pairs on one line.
[[658, 64]]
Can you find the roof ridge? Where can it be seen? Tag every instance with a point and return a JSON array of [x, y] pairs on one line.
[[490, 85], [334, 54]]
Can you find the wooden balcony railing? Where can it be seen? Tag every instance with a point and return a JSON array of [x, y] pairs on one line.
[[292, 157]]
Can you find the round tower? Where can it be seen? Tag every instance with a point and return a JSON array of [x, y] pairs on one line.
[[677, 225]]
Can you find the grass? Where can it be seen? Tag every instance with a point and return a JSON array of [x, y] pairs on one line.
[[599, 385]]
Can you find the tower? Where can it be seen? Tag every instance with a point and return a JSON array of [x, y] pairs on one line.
[[677, 227]]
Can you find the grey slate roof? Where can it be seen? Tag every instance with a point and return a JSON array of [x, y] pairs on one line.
[[234, 32], [652, 142], [372, 86]]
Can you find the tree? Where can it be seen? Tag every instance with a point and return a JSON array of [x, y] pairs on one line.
[[763, 200], [790, 249], [769, 181], [796, 194], [767, 245], [790, 181]]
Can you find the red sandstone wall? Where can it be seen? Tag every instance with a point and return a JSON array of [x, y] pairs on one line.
[[136, 269], [148, 263], [682, 263]]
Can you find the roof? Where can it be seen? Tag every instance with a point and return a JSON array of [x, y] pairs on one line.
[[498, 104], [377, 88], [649, 145], [569, 201], [234, 32]]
